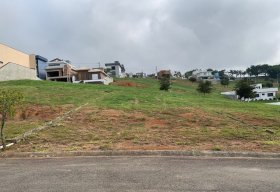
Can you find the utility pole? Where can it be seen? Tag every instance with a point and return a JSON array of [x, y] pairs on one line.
[[156, 73]]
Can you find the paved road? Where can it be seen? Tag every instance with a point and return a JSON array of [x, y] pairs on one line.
[[139, 174]]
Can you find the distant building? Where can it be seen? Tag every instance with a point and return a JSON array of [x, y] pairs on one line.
[[60, 70], [41, 64], [115, 69], [63, 70], [94, 76], [264, 93], [130, 75], [202, 74], [164, 74], [16, 65], [141, 75], [260, 93]]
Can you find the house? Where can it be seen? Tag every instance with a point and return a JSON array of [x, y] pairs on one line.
[[115, 69], [202, 74], [99, 76], [164, 74], [94, 75], [16, 65], [260, 93], [141, 75], [264, 93], [60, 70]]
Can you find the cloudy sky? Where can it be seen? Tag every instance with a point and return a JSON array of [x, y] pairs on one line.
[[142, 34]]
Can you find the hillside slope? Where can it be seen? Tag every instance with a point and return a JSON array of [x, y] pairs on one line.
[[135, 114]]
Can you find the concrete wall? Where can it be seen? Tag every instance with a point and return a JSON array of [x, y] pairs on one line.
[[13, 71], [10, 55]]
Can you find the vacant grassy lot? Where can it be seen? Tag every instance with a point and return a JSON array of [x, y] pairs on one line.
[[134, 114]]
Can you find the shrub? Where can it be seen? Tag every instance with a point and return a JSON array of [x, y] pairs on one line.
[[267, 84], [225, 81], [192, 79], [9, 99], [165, 84], [204, 87]]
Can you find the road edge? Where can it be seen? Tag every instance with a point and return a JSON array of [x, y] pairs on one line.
[[159, 153]]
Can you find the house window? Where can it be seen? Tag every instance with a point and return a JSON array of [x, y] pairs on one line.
[[94, 76], [270, 94], [54, 64], [53, 74], [263, 94], [113, 67], [257, 95]]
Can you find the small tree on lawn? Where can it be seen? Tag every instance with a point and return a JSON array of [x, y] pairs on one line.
[[244, 90], [204, 87], [192, 79], [9, 99], [225, 81], [165, 83]]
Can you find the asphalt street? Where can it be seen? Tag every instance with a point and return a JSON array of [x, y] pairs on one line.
[[139, 174]]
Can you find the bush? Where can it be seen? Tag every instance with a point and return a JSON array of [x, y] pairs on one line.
[[225, 81], [165, 84], [9, 99], [267, 84], [192, 79], [204, 87]]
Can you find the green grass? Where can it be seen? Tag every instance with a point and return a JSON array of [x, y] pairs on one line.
[[146, 97]]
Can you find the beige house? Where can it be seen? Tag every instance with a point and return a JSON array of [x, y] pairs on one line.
[[10, 55], [95, 75], [16, 65]]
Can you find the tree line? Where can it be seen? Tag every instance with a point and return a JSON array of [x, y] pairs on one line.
[[269, 71]]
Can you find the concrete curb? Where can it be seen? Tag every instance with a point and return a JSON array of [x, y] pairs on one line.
[[141, 153]]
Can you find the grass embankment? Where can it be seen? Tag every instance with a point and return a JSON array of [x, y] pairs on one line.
[[134, 114]]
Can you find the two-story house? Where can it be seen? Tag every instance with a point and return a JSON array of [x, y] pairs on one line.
[[115, 69]]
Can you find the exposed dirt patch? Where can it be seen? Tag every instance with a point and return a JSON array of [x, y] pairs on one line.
[[197, 118], [127, 84], [39, 112], [111, 113], [155, 123], [256, 121]]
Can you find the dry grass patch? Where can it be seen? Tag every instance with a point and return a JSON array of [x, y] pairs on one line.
[[181, 128]]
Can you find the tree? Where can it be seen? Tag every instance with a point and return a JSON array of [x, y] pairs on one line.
[[222, 74], [244, 90], [177, 74], [274, 71], [264, 69], [192, 79], [9, 99], [204, 87], [231, 72], [165, 83], [249, 72], [188, 74], [225, 81]]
